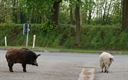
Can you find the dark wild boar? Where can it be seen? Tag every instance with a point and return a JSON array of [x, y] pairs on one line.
[[23, 56]]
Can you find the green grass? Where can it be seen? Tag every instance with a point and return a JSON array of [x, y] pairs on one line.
[[49, 49], [74, 50]]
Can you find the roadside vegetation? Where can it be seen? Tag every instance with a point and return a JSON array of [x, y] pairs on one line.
[[99, 37], [68, 24]]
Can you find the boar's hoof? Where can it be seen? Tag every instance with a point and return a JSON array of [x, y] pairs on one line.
[[24, 70], [11, 71]]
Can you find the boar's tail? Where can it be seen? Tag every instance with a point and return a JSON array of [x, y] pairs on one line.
[[111, 59]]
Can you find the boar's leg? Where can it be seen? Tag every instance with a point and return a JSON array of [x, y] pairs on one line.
[[106, 69], [10, 65], [24, 67]]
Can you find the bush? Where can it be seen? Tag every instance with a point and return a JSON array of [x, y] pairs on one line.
[[92, 37]]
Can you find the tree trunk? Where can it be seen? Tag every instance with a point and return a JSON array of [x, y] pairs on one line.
[[18, 15], [55, 10], [104, 14], [16, 11], [71, 16], [13, 11], [125, 15], [108, 21], [72, 21], [90, 16], [78, 27]]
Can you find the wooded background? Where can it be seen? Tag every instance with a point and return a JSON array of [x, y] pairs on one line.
[[81, 23]]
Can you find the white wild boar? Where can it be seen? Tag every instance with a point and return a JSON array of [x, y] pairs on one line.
[[106, 60]]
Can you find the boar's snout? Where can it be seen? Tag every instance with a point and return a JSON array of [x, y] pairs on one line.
[[35, 63]]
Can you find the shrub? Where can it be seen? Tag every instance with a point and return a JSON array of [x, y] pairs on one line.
[[92, 36]]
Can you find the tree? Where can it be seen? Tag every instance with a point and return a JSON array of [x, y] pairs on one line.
[[116, 14], [77, 20], [90, 6], [125, 15], [16, 11], [55, 11], [72, 21], [5, 11]]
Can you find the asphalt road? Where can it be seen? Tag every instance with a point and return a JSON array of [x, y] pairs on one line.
[[63, 66]]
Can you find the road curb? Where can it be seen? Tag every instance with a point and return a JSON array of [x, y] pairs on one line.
[[87, 74]]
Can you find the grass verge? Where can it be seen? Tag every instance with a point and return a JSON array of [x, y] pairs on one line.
[[74, 50]]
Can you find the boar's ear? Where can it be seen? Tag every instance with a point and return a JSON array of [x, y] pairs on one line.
[[38, 55]]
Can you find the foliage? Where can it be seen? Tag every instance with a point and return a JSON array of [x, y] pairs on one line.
[[93, 36], [96, 11], [96, 16]]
